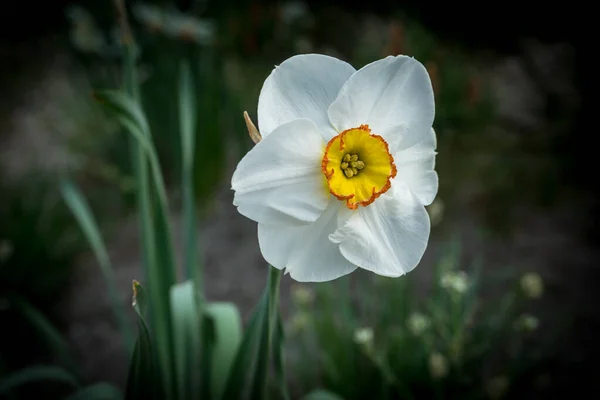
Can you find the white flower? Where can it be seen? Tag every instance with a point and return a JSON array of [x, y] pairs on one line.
[[363, 336], [456, 281], [418, 323], [532, 285], [345, 167], [527, 323], [438, 366], [302, 296]]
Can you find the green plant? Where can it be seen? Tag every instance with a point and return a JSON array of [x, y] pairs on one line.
[[458, 340], [186, 346], [38, 246]]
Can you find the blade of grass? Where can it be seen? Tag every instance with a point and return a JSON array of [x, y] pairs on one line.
[[87, 223], [186, 335], [159, 251], [279, 367], [248, 374], [228, 336], [187, 121], [142, 381]]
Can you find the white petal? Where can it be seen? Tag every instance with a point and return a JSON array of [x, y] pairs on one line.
[[303, 86], [393, 96], [280, 180], [306, 251], [387, 237], [415, 168]]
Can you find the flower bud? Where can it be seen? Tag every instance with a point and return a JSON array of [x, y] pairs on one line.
[[438, 366], [527, 323], [418, 323], [532, 285], [455, 281], [299, 322], [302, 296]]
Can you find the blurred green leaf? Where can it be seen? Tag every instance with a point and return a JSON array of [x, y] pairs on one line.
[[36, 373], [187, 121], [157, 238], [187, 339], [278, 341], [81, 210], [142, 379], [131, 116], [98, 391], [321, 394], [248, 375], [228, 336]]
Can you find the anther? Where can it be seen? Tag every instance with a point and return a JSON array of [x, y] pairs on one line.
[[350, 165]]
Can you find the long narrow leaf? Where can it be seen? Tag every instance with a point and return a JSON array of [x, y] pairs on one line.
[[207, 369], [228, 336], [129, 113], [186, 334], [87, 223], [245, 364], [278, 360], [158, 247], [98, 391], [187, 121], [142, 378], [248, 375], [37, 373]]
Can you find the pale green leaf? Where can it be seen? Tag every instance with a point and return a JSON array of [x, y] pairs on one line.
[[186, 333], [227, 337], [82, 212]]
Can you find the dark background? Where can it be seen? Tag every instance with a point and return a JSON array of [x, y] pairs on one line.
[[498, 26]]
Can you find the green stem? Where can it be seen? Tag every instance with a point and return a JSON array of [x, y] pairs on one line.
[[159, 298]]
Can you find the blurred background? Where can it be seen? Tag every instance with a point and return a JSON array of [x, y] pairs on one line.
[[503, 304]]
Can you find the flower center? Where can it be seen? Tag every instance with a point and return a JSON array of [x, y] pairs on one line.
[[351, 165], [358, 166]]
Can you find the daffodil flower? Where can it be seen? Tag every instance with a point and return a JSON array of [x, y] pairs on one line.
[[344, 169]]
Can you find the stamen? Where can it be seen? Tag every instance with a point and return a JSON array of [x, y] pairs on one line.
[[351, 165]]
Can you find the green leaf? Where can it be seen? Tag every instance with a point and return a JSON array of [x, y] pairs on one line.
[[98, 391], [228, 336], [131, 116], [36, 373], [321, 394], [187, 121], [81, 210], [248, 374], [142, 378], [278, 341], [187, 339], [157, 238]]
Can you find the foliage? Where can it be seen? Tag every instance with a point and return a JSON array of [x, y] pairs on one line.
[[457, 340]]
